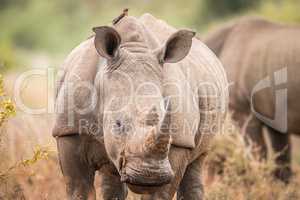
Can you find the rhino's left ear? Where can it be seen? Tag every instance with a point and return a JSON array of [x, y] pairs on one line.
[[176, 48], [107, 41]]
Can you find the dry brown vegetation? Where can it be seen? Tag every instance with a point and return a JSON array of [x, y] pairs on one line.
[[237, 174], [27, 147]]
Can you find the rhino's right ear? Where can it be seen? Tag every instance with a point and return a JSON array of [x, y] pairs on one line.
[[176, 47], [107, 41]]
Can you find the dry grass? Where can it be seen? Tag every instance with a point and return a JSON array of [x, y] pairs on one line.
[[242, 177], [234, 173]]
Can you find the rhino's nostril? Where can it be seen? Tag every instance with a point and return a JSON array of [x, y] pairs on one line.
[[122, 161], [120, 164], [124, 178]]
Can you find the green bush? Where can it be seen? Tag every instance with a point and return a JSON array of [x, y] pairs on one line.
[[7, 56], [50, 26], [7, 108], [8, 3], [55, 27], [284, 11], [215, 9], [9, 189]]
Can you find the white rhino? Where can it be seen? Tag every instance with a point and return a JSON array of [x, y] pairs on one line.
[[138, 102]]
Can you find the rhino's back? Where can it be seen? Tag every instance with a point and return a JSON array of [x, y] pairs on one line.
[[256, 50]]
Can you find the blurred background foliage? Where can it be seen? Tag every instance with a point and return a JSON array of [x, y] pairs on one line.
[[52, 28]]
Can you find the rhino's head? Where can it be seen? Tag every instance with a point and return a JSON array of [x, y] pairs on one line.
[[135, 114]]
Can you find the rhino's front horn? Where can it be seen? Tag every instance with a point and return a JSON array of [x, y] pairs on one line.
[[166, 117], [159, 139]]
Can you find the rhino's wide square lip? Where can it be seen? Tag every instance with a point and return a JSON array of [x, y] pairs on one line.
[[144, 189]]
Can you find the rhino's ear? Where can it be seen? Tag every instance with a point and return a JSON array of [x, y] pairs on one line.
[[107, 41], [176, 48]]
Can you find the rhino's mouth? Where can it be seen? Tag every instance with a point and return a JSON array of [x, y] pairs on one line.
[[147, 182], [142, 185], [138, 189], [147, 179]]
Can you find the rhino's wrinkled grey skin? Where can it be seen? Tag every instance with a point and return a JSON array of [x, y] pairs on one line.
[[159, 97], [257, 52]]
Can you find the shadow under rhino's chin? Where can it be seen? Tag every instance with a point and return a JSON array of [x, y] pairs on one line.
[[147, 178]]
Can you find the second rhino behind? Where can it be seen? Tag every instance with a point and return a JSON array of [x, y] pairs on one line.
[[262, 61]]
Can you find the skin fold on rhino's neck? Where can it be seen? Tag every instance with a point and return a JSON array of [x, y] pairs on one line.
[[137, 42], [135, 47]]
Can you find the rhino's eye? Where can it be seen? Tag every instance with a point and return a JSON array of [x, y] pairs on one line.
[[118, 127], [118, 124], [122, 126]]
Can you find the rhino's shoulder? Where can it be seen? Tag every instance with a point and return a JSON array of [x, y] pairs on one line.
[[76, 59], [78, 70], [76, 54]]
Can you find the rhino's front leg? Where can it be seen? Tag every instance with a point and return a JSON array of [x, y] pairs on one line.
[[111, 186], [281, 145], [179, 158], [254, 135], [191, 187], [78, 175]]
